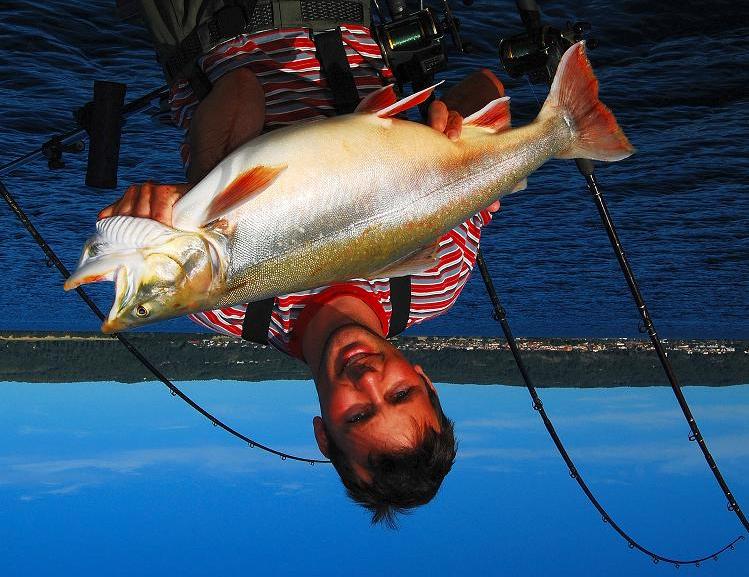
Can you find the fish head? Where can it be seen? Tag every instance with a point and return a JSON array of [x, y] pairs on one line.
[[169, 278]]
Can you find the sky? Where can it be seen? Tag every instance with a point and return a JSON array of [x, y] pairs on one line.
[[126, 479]]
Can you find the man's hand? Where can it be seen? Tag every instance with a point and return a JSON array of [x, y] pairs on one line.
[[448, 121], [147, 200], [463, 99]]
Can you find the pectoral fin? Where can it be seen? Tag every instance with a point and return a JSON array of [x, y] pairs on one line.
[[241, 189], [377, 100], [414, 263], [494, 117], [405, 103]]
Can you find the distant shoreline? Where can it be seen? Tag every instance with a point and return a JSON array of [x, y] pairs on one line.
[[75, 357]]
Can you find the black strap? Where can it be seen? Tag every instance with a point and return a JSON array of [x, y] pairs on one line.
[[257, 320], [334, 65], [257, 317], [400, 300], [227, 23]]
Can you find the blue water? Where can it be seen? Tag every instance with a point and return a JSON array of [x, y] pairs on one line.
[[674, 73], [111, 479]]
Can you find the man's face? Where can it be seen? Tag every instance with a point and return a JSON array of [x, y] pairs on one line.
[[372, 399]]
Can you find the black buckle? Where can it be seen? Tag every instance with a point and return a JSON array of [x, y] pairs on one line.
[[227, 23]]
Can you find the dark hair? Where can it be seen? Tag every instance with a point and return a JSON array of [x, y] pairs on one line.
[[404, 479]]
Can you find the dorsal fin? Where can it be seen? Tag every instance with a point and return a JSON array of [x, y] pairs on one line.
[[377, 100], [407, 102], [241, 189], [495, 116]]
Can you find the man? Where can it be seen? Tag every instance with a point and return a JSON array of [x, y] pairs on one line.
[[381, 423]]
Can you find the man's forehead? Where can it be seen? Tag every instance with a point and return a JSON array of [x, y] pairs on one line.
[[391, 429]]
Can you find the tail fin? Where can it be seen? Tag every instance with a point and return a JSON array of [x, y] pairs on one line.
[[574, 93]]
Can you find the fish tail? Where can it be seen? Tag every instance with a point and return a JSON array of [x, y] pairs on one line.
[[574, 94]]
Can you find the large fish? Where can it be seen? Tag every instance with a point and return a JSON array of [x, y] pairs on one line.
[[363, 195]]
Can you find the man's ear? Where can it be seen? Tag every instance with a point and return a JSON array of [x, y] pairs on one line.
[[321, 435], [424, 376]]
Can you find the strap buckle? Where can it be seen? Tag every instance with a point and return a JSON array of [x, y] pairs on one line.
[[227, 23]]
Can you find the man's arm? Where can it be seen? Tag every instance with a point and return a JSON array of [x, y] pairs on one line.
[[230, 115]]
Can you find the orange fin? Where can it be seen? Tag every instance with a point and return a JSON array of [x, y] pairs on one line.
[[241, 189], [574, 94], [407, 102], [495, 116], [377, 100]]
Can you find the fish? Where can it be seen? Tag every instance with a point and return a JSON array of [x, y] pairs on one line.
[[361, 195]]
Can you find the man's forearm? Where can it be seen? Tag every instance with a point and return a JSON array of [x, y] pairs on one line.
[[230, 115], [473, 92]]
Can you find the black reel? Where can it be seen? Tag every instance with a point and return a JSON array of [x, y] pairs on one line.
[[412, 41], [536, 52]]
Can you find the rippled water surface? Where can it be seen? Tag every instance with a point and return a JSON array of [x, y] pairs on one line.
[[675, 76]]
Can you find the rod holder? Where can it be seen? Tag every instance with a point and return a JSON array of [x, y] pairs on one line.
[[104, 126]]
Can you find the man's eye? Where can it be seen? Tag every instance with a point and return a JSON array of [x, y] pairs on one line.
[[357, 418], [402, 395]]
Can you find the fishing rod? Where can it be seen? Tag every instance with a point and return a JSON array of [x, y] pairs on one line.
[[403, 77], [500, 315], [68, 141], [536, 54]]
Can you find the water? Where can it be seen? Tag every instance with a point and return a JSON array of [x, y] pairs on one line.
[[125, 479], [674, 74]]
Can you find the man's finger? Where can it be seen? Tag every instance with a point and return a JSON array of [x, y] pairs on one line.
[[454, 125], [437, 115], [162, 203], [125, 204], [106, 212], [142, 201]]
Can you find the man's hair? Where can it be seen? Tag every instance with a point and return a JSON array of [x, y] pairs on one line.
[[403, 479]]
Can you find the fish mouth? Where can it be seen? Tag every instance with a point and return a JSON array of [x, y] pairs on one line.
[[111, 326]]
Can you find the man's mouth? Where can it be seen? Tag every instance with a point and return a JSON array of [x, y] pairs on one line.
[[352, 355]]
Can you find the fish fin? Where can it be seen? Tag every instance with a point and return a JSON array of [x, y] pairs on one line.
[[414, 263], [495, 116], [408, 102], [377, 100], [522, 185], [95, 270], [574, 94], [241, 189]]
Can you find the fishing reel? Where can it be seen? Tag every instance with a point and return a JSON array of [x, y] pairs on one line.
[[411, 42], [536, 52]]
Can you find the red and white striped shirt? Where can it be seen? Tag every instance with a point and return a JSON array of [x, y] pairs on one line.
[[286, 65]]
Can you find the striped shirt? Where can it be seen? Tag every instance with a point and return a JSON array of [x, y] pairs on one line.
[[284, 61]]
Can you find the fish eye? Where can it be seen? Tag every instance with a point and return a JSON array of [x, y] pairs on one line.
[[141, 311]]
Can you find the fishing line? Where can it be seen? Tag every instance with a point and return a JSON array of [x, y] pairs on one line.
[[500, 316], [52, 259]]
